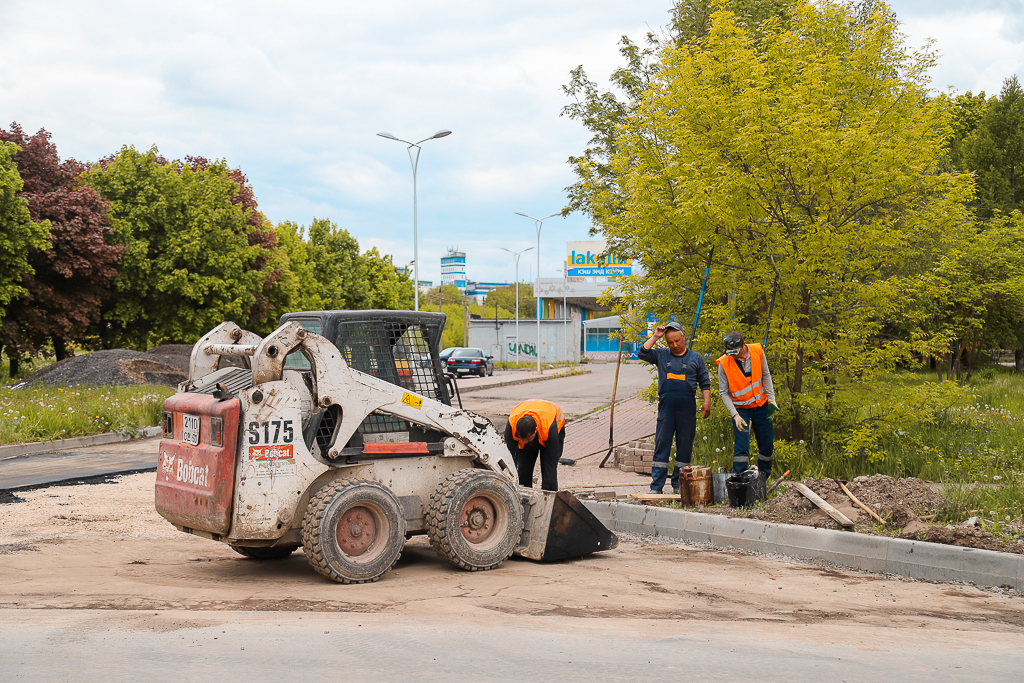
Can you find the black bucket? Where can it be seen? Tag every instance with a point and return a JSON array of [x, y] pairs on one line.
[[745, 489]]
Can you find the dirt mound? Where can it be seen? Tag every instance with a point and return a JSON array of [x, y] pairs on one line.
[[112, 366], [967, 537], [898, 501], [176, 355]]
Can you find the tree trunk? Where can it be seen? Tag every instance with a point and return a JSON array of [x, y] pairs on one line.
[[60, 348], [796, 428], [15, 364], [977, 350], [1018, 360]]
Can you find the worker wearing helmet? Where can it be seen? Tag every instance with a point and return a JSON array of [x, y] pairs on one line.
[[536, 427], [745, 385], [680, 373]]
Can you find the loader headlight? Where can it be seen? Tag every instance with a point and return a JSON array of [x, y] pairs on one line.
[[217, 431], [168, 425]]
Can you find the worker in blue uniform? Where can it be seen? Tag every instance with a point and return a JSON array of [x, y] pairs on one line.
[[681, 372]]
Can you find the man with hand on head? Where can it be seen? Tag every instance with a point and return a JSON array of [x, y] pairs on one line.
[[536, 427], [680, 373], [745, 385]]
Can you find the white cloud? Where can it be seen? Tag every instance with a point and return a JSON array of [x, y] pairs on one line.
[[294, 93]]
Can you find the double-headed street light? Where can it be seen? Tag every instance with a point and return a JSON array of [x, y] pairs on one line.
[[515, 255], [539, 223], [415, 161]]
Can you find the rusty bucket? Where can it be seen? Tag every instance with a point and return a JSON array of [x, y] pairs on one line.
[[684, 487], [698, 486]]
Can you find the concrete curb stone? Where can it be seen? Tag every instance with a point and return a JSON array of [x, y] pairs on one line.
[[19, 449], [513, 382], [879, 554]]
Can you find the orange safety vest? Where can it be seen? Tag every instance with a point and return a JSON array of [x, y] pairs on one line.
[[544, 414], [745, 392]]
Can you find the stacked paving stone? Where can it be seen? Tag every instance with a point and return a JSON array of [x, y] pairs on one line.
[[636, 456]]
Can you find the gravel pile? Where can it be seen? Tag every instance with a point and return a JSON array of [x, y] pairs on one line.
[[175, 355], [115, 366]]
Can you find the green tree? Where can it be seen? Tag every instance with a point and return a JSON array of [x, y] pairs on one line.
[[808, 154], [333, 255], [390, 288], [18, 232], [291, 241], [995, 151], [968, 110], [331, 274], [505, 298], [604, 112], [975, 295], [72, 276], [189, 264]]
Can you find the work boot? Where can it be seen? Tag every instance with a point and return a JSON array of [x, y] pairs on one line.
[[675, 490], [658, 491]]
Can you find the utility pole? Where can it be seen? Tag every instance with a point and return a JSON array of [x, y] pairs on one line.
[[415, 161], [539, 223], [515, 255]]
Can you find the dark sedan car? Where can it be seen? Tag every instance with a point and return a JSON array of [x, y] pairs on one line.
[[464, 361]]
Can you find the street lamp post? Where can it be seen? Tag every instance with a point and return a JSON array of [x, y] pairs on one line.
[[539, 223], [565, 309], [415, 161], [515, 255]]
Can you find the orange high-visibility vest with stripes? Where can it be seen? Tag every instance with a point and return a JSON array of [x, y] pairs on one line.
[[544, 414], [745, 392]]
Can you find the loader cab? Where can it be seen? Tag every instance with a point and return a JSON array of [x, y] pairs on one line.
[[400, 347]]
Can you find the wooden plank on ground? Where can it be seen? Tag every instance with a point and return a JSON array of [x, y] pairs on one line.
[[843, 520], [861, 505], [650, 497]]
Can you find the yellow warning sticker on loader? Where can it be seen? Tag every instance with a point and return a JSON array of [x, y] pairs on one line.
[[410, 400]]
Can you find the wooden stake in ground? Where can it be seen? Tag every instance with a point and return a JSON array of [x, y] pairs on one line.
[[843, 520], [611, 417], [859, 504]]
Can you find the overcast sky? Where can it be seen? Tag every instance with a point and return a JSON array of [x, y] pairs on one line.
[[293, 94]]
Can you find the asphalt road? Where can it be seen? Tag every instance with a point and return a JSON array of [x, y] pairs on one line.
[[576, 395], [79, 463], [302, 647]]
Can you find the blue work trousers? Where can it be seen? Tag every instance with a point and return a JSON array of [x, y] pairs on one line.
[[677, 417], [759, 422]]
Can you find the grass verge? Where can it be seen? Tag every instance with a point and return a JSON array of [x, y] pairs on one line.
[[45, 413]]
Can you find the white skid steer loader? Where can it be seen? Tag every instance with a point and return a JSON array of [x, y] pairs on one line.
[[298, 448]]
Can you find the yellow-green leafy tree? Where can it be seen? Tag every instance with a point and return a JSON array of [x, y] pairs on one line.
[[806, 151]]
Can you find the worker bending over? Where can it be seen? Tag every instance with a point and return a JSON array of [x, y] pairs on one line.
[[680, 372], [745, 384], [534, 428]]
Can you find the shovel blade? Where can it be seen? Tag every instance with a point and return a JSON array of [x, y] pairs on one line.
[[557, 526]]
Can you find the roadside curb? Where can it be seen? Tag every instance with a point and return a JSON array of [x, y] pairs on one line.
[[19, 449], [521, 381], [879, 554]]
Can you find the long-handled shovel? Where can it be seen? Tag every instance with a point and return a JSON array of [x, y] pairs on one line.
[[611, 418]]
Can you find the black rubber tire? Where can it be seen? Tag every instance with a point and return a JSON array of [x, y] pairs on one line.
[[320, 527], [445, 519], [277, 552]]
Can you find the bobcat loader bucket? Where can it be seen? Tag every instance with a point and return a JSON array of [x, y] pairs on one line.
[[557, 526]]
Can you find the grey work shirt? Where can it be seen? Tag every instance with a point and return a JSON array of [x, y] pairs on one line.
[[690, 365], [766, 381]]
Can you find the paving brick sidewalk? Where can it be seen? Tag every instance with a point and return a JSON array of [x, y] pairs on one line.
[[634, 419]]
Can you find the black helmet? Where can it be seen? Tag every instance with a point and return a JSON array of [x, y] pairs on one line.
[[732, 342]]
